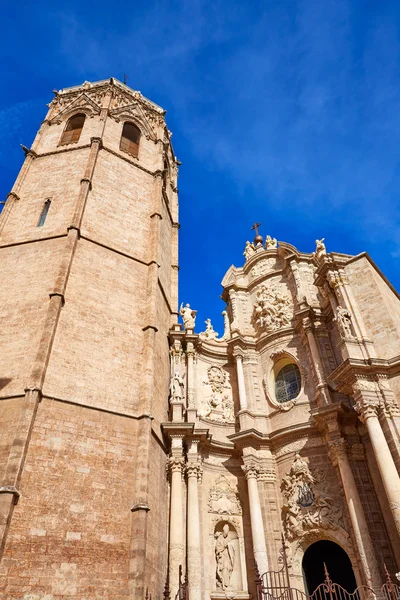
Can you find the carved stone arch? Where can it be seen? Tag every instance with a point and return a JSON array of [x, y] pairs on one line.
[[81, 104], [269, 379], [135, 115], [298, 547]]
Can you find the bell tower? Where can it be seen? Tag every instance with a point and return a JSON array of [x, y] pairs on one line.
[[89, 256]]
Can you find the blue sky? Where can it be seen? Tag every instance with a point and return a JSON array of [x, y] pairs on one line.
[[283, 112]]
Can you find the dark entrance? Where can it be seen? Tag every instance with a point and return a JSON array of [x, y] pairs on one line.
[[337, 563]]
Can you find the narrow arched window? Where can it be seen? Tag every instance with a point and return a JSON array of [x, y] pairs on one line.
[[73, 130], [130, 139], [44, 212], [287, 383]]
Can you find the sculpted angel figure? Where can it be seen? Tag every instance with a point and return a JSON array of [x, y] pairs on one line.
[[225, 557], [176, 387], [249, 250], [270, 242], [188, 316]]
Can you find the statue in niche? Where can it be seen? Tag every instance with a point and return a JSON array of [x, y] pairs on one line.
[[227, 327], [176, 387], [343, 319], [271, 243], [188, 316], [225, 557], [249, 250]]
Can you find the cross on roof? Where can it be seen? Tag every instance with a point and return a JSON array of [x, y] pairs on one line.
[[256, 226]]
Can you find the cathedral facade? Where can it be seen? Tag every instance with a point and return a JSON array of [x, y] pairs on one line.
[[140, 457]]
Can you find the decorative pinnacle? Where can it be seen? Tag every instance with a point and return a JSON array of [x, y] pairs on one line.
[[258, 238]]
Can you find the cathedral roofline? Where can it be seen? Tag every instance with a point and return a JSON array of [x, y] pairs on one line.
[[111, 81]]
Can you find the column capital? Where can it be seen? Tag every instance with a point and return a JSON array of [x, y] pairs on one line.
[[194, 469], [252, 470], [238, 354], [367, 408], [337, 450], [175, 464]]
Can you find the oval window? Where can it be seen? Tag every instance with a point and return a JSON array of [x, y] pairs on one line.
[[287, 383]]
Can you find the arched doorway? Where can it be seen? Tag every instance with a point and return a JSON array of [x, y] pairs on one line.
[[337, 563]]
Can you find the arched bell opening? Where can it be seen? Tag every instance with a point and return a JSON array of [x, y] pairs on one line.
[[337, 563]]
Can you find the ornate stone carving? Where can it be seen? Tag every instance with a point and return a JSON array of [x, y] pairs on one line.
[[308, 503], [343, 319], [273, 308], [188, 316], [175, 463], [271, 243], [337, 450], [224, 557], [223, 498], [194, 469], [249, 250], [262, 267], [367, 408], [367, 385], [219, 406], [209, 333]]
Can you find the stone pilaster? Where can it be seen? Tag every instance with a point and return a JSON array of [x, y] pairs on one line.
[[323, 397], [240, 379]]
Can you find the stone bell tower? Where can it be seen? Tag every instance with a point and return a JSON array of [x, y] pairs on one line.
[[88, 247]]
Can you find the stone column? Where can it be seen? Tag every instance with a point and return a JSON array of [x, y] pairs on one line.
[[240, 379], [193, 471], [190, 375], [339, 457], [367, 407], [257, 525], [322, 388], [176, 525]]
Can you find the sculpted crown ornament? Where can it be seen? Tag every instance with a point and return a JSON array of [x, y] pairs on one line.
[[272, 309], [308, 503]]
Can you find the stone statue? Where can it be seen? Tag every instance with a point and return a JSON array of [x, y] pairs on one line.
[[209, 333], [343, 319], [320, 248], [270, 243], [225, 557], [176, 387], [249, 250], [188, 316]]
